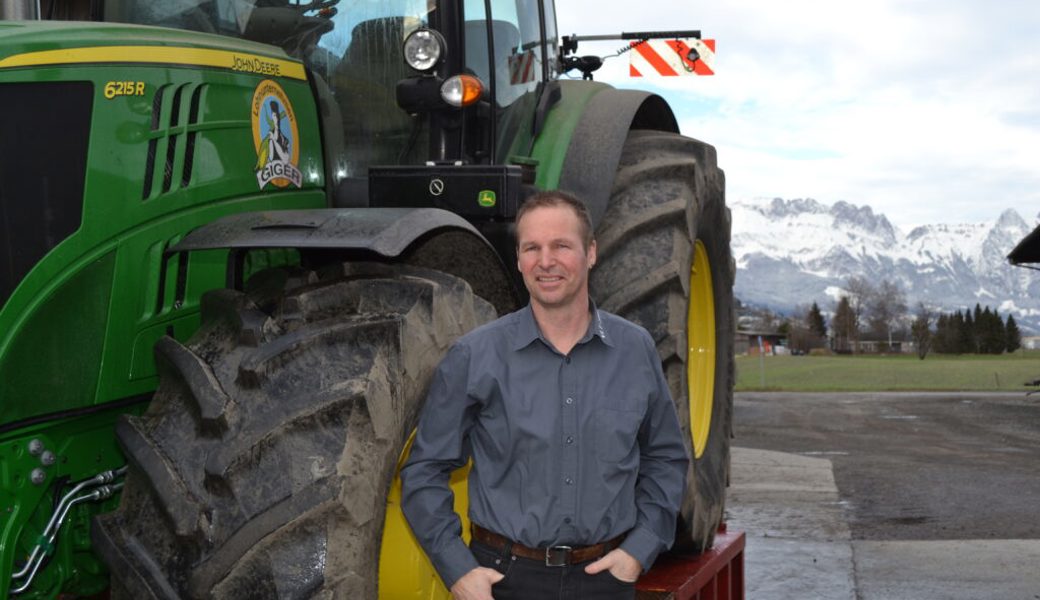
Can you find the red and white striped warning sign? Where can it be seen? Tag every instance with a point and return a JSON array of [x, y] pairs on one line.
[[672, 57], [521, 67]]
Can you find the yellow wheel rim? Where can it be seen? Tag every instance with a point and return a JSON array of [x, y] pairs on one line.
[[700, 358], [404, 570]]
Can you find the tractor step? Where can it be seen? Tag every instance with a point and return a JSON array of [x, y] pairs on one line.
[[717, 574]]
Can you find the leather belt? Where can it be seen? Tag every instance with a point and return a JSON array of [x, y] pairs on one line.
[[554, 556]]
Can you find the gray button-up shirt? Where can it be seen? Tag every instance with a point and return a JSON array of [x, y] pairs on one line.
[[572, 450]]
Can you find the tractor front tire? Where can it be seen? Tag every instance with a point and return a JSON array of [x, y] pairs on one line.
[[664, 263], [262, 466]]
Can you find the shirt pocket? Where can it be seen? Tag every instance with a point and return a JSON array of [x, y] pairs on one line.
[[616, 434]]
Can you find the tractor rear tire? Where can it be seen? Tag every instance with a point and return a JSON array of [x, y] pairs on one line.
[[668, 205], [262, 466]]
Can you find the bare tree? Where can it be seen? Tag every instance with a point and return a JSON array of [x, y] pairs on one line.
[[764, 319], [921, 331], [844, 326], [800, 336], [886, 305], [859, 291]]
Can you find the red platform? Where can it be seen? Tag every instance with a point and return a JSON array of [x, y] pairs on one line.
[[717, 574]]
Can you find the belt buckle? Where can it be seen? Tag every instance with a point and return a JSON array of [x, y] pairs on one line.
[[557, 556]]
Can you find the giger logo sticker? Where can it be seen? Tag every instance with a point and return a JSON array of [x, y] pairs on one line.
[[275, 137]]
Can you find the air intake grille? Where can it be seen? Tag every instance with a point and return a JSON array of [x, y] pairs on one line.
[[171, 148]]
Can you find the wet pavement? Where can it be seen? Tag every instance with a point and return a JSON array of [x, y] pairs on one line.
[[890, 495]]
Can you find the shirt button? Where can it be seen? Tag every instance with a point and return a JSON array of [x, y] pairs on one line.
[[570, 439], [566, 519], [569, 400], [567, 360], [568, 481]]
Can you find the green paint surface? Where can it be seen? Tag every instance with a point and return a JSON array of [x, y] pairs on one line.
[[77, 331]]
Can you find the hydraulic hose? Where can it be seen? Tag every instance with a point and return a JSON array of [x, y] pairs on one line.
[[50, 532]]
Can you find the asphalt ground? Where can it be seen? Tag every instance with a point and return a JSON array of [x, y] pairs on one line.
[[888, 495]]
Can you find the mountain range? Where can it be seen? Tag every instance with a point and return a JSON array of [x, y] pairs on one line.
[[791, 253]]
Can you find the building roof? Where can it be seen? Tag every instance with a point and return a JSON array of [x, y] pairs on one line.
[[1028, 250]]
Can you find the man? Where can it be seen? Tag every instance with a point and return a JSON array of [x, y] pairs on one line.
[[578, 460]]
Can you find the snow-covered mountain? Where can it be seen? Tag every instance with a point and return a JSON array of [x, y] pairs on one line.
[[793, 252]]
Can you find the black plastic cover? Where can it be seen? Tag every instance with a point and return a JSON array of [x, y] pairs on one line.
[[476, 192]]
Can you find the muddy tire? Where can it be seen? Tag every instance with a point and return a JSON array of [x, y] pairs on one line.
[[261, 468], [668, 205]]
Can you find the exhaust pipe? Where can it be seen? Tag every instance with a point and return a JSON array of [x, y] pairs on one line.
[[20, 10]]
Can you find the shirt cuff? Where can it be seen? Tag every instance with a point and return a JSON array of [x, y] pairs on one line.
[[643, 545], [454, 561]]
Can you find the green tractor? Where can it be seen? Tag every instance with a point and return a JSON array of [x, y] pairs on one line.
[[236, 236]]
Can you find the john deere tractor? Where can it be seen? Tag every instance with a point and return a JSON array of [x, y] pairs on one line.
[[236, 237]]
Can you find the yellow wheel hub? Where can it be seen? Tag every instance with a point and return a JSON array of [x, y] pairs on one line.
[[404, 570], [700, 358]]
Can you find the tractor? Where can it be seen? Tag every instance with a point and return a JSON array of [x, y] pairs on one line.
[[236, 237]]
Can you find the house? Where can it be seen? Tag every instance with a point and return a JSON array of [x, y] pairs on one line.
[[752, 342], [879, 347]]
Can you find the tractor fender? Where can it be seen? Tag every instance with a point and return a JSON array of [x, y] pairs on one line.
[[386, 231], [428, 237], [595, 146]]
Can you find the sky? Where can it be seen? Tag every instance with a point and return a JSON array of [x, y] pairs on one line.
[[926, 110]]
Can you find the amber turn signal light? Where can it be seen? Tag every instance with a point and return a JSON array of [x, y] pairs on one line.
[[462, 90]]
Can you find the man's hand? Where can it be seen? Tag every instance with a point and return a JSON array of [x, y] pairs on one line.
[[476, 585], [622, 565]]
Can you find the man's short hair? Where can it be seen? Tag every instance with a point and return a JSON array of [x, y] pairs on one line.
[[553, 198]]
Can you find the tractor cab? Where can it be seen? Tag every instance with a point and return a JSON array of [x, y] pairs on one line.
[[402, 82]]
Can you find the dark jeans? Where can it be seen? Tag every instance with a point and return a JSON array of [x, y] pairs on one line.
[[527, 579]]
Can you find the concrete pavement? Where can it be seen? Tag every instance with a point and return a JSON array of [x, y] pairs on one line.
[[799, 544], [798, 540]]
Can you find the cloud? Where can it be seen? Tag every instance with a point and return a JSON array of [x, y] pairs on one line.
[[927, 111]]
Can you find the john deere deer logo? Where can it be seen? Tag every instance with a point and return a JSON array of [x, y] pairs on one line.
[[275, 137]]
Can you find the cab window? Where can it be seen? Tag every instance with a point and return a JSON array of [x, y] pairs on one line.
[[520, 56]]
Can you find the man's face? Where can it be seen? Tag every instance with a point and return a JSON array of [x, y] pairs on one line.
[[551, 257]]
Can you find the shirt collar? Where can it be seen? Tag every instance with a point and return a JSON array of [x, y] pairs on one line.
[[597, 327], [527, 328]]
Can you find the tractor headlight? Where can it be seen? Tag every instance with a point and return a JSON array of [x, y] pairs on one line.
[[423, 49]]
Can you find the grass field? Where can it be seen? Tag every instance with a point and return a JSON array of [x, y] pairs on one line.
[[895, 372]]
